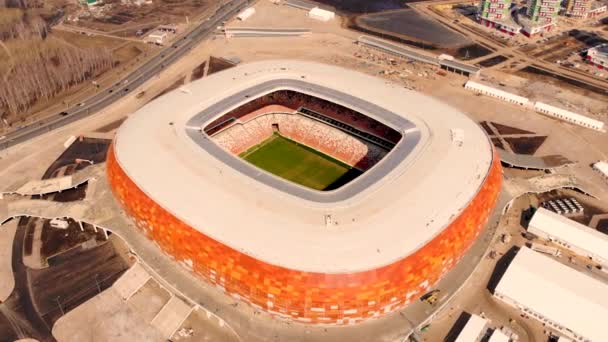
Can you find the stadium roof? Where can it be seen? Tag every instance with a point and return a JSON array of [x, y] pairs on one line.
[[557, 292], [387, 213], [576, 234]]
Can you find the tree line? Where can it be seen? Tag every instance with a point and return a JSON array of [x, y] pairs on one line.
[[47, 68], [22, 3], [22, 26], [35, 66]]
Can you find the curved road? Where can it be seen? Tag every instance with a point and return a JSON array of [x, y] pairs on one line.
[[126, 85], [26, 319]]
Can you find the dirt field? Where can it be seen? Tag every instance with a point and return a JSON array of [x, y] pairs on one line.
[[410, 24], [126, 20]]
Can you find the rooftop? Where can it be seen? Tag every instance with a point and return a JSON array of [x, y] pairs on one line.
[[472, 330], [498, 336], [553, 289], [574, 233]]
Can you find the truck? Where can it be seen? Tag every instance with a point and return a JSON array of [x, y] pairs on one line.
[[59, 223], [431, 297], [546, 249]]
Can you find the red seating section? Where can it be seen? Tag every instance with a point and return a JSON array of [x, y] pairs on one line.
[[241, 136], [290, 101]]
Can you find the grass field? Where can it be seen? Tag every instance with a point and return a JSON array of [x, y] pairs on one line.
[[300, 164]]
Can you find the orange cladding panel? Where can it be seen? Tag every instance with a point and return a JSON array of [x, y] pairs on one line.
[[305, 296]]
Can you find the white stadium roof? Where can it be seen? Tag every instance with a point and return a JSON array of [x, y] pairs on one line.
[[557, 292], [387, 213], [548, 223]]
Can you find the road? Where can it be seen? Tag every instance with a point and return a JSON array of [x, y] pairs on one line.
[[25, 316], [67, 28], [126, 85]]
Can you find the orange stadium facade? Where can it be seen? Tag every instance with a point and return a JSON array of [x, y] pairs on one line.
[[307, 296]]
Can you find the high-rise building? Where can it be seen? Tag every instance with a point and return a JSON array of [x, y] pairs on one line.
[[578, 8], [543, 11], [494, 10], [541, 16], [496, 13], [585, 8]]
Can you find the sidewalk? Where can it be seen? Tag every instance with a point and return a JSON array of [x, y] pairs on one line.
[[7, 234]]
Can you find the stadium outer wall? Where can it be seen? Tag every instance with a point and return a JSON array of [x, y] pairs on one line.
[[305, 296]]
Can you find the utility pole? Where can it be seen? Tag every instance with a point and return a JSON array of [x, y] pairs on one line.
[[97, 283], [59, 305]]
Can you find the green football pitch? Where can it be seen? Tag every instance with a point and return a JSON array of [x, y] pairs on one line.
[[300, 164]]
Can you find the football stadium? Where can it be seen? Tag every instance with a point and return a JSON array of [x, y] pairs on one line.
[[314, 193]]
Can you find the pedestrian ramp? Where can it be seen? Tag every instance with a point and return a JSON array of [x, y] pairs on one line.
[[171, 316], [131, 281]]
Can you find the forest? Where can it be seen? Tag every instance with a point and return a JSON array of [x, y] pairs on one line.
[[35, 65]]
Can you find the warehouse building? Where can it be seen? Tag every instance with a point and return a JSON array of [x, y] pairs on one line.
[[568, 116], [246, 14], [474, 330], [321, 14], [498, 336], [497, 93], [558, 296], [570, 234], [602, 168]]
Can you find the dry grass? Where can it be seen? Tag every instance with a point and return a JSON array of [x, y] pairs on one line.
[[86, 42], [10, 16], [128, 52]]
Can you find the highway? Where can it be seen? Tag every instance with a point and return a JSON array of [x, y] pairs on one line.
[[126, 85]]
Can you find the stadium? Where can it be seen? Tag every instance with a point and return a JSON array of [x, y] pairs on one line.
[[314, 193]]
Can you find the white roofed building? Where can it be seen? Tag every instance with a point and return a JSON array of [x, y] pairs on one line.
[[500, 94], [321, 14], [579, 238], [560, 297], [245, 14], [156, 37], [473, 331], [602, 168], [568, 116], [498, 336]]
